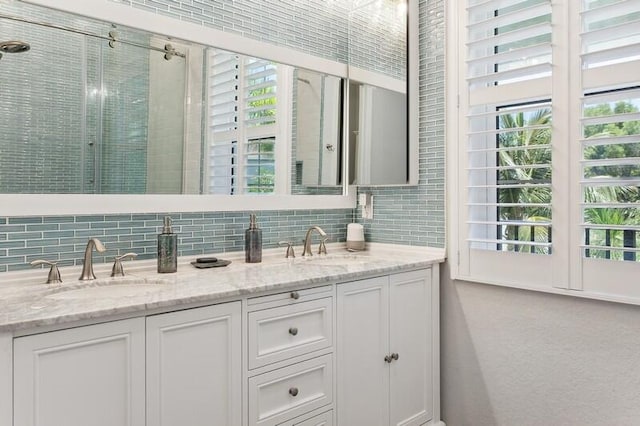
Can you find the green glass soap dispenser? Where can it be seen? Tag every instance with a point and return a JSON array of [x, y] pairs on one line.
[[167, 249]]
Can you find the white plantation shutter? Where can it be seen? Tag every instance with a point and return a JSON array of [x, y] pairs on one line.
[[609, 143], [548, 145], [223, 103], [508, 50], [507, 140], [243, 123]]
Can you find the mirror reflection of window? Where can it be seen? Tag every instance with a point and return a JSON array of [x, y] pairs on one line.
[[243, 127]]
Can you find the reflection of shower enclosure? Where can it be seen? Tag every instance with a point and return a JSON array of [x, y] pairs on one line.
[[79, 116], [318, 135]]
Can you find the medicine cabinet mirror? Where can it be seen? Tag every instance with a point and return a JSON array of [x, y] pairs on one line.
[[382, 150]]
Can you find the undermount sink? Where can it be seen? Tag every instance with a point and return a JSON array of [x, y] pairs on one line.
[[333, 260], [109, 289]]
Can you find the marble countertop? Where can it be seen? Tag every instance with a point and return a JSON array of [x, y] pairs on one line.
[[26, 302]]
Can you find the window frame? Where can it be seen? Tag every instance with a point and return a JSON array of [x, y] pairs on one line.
[[566, 271]]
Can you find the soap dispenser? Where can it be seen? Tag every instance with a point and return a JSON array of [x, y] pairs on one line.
[[253, 242], [167, 249]]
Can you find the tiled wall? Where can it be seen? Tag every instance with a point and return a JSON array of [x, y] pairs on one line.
[[64, 238], [318, 27], [415, 216], [412, 216], [377, 36]]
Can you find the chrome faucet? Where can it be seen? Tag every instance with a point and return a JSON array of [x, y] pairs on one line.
[[307, 240], [87, 266]]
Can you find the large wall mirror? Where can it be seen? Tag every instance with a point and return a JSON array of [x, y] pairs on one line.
[[89, 108], [96, 106]]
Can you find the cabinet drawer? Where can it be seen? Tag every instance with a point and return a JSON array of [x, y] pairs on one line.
[[289, 297], [280, 333], [324, 419], [283, 394]]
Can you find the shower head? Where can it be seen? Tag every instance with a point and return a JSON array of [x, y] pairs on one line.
[[14, 46]]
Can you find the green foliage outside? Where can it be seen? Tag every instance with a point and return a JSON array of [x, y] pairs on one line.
[[537, 150], [260, 155], [534, 148]]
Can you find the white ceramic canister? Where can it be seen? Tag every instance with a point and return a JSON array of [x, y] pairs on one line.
[[355, 236]]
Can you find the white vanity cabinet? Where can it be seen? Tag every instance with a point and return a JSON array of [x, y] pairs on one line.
[[194, 367], [184, 367], [92, 375], [290, 361], [352, 353], [384, 345]]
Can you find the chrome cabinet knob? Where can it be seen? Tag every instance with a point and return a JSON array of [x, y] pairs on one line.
[[295, 295], [293, 391], [293, 331], [390, 358]]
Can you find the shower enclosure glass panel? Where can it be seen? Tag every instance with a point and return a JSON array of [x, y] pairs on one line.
[[94, 119]]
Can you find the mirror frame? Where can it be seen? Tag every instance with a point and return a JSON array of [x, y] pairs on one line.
[[104, 10]]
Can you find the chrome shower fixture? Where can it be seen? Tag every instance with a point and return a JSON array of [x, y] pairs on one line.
[[14, 46]]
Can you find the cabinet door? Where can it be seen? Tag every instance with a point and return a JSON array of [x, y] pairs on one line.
[[90, 375], [362, 344], [193, 367], [411, 395]]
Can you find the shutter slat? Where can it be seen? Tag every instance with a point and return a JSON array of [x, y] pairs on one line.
[[527, 72], [511, 186], [510, 223], [606, 181], [510, 18], [623, 161], [614, 118], [510, 149], [620, 8], [510, 130], [609, 248], [509, 205], [522, 54], [624, 53], [612, 227], [614, 32], [510, 242]]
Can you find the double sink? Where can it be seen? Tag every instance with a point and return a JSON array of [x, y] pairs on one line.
[[145, 281]]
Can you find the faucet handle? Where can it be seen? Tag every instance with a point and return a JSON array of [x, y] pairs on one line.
[[290, 252], [54, 272], [322, 248], [117, 270]]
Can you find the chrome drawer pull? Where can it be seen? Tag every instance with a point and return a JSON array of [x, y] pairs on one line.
[[293, 331], [295, 295], [395, 356], [293, 391]]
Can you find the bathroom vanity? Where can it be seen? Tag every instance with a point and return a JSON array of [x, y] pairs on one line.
[[343, 339]]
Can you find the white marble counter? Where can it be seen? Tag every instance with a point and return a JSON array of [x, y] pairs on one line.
[[27, 303]]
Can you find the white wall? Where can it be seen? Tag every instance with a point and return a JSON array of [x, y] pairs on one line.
[[519, 358]]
